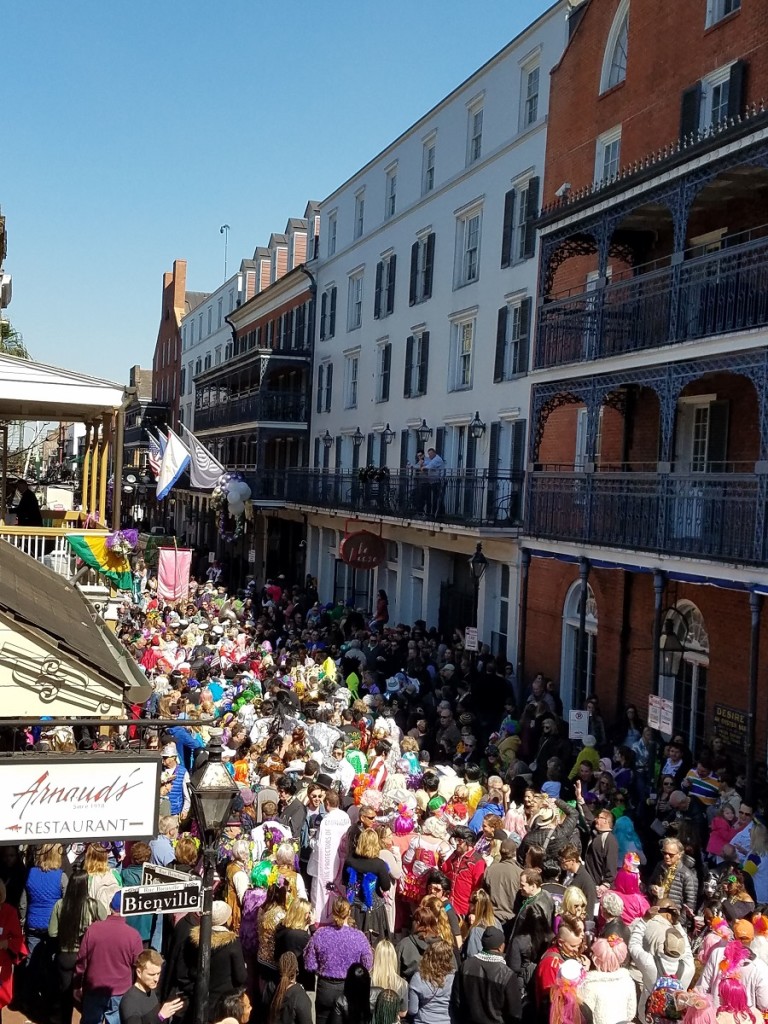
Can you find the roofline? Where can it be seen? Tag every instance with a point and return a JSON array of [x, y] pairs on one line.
[[85, 377], [544, 16], [234, 315]]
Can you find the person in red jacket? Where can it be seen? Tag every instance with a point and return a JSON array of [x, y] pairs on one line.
[[465, 868], [568, 945]]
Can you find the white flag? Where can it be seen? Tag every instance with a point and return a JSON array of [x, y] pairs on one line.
[[204, 470], [175, 461]]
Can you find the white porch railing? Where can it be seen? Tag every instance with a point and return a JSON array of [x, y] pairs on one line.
[[47, 544]]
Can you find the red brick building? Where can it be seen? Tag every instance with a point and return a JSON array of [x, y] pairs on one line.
[[648, 457], [166, 362]]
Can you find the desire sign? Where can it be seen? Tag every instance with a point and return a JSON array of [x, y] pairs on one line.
[[78, 798], [363, 550]]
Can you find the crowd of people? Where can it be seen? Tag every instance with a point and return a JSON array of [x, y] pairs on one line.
[[414, 836]]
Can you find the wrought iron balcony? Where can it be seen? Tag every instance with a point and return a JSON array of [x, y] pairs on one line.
[[472, 497], [719, 516], [662, 303], [262, 406]]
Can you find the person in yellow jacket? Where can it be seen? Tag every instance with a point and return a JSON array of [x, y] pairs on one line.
[[587, 753]]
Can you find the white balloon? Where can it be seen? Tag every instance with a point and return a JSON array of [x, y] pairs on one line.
[[245, 491], [236, 508]]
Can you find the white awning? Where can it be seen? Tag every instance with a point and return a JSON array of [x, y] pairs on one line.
[[35, 391]]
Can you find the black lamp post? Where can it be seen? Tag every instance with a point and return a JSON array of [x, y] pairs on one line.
[[213, 791], [358, 437], [477, 427], [478, 563], [388, 434], [327, 438], [670, 651], [423, 432]]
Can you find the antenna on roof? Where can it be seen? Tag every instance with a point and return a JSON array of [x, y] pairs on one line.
[[224, 230]]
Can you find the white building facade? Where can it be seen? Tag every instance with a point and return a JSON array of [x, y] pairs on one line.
[[426, 282]]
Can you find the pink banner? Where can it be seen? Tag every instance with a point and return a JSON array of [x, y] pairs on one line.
[[173, 567]]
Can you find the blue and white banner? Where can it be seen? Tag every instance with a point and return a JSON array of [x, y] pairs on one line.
[[175, 461]]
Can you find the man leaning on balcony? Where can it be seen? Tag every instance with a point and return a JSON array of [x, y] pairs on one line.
[[28, 510]]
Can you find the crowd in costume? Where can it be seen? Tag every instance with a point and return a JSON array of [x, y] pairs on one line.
[[414, 837]]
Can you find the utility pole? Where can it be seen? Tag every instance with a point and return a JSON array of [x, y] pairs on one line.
[[224, 230]]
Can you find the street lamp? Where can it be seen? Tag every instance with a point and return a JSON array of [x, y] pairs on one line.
[[477, 427], [358, 437], [388, 435], [671, 651], [478, 563], [423, 433], [213, 791], [327, 439]]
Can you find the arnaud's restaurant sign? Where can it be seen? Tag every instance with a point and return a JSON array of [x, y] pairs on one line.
[[77, 799]]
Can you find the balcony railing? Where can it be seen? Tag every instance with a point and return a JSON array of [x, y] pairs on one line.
[[263, 406], [48, 544], [715, 293], [702, 515], [473, 496]]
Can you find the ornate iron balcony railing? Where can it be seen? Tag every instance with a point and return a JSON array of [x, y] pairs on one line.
[[473, 497], [711, 294], [718, 516], [266, 406]]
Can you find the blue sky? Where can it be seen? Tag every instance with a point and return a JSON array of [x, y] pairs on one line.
[[131, 132]]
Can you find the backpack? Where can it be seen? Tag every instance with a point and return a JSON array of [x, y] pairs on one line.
[[661, 1005]]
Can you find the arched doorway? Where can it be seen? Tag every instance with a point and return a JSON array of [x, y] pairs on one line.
[[690, 696], [576, 687]]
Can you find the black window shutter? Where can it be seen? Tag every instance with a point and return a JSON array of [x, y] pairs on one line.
[[369, 450], [690, 108], [501, 344], [414, 274], [355, 456], [332, 314], [424, 364], [408, 366], [317, 452], [429, 265], [524, 342], [377, 292], [403, 448], [300, 325], [517, 461], [310, 322], [328, 386], [386, 371], [508, 228], [717, 443], [439, 441], [320, 394], [383, 450], [326, 457], [391, 270], [470, 460], [323, 311], [337, 451], [289, 329], [531, 212], [493, 449], [737, 88]]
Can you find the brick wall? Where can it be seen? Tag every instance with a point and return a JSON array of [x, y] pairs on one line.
[[726, 616], [669, 50]]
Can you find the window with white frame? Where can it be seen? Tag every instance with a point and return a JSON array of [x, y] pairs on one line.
[[351, 378], [475, 133], [390, 200], [719, 9], [200, 327], [608, 155], [219, 312], [333, 224], [231, 299], [416, 365], [218, 355], [521, 244], [468, 247], [210, 319], [531, 78], [715, 95], [359, 214], [460, 362], [614, 68], [422, 263], [384, 296], [428, 166], [355, 301]]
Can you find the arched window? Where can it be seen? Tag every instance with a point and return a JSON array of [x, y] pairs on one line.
[[615, 57], [690, 696], [577, 686]]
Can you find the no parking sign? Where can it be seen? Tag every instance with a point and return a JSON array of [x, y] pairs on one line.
[[578, 725]]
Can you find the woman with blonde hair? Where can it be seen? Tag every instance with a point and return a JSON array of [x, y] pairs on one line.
[[429, 990], [102, 884], [292, 936], [481, 916], [385, 975], [368, 879], [574, 902], [45, 885], [444, 930]]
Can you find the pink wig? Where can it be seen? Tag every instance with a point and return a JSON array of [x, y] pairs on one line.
[[733, 997], [708, 943], [700, 1010], [608, 956]]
